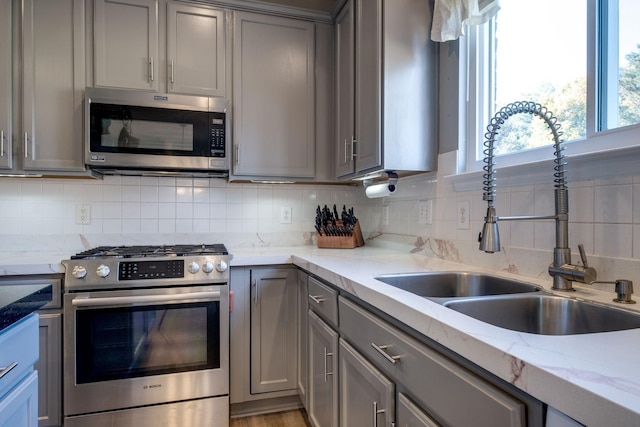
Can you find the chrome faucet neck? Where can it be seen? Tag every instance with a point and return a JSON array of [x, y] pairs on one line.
[[563, 272]]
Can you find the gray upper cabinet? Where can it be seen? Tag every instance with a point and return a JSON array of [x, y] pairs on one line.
[[6, 161], [386, 95], [129, 47], [273, 330], [126, 44], [49, 136], [196, 50], [273, 99]]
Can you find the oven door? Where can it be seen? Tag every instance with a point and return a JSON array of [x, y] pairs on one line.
[[133, 348]]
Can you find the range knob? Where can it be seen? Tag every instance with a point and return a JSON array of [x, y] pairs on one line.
[[103, 270], [221, 266], [193, 267], [79, 272], [207, 267]]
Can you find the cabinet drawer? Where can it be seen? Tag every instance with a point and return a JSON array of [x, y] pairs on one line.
[[323, 300], [19, 344], [441, 386]]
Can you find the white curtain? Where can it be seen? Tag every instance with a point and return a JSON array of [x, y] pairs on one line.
[[450, 16]]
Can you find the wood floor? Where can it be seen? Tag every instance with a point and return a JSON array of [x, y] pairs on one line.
[[297, 418]]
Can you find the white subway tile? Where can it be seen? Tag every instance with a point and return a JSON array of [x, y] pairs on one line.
[[613, 204], [613, 240]]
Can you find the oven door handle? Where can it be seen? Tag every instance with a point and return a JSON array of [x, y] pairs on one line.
[[137, 300]]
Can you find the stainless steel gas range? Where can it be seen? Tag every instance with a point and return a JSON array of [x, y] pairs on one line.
[[146, 337]]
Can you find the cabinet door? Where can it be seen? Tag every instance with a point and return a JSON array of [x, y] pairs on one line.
[[49, 367], [323, 373], [54, 81], [274, 126], [126, 44], [19, 408], [368, 54], [6, 100], [411, 415], [196, 50], [366, 395], [345, 134], [303, 332], [273, 330]]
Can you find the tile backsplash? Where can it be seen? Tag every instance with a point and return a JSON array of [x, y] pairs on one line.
[[132, 205]]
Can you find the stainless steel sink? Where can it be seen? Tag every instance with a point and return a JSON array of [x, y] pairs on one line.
[[455, 284], [546, 314]]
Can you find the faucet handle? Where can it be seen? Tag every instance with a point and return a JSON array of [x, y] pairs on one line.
[[583, 255]]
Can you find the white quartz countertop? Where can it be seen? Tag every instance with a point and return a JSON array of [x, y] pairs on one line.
[[594, 378]]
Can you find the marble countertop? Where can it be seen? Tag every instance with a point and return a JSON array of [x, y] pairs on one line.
[[594, 378], [18, 301]]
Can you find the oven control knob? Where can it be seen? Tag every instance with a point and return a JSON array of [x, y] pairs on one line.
[[207, 267], [79, 272], [221, 266], [193, 268], [103, 270]]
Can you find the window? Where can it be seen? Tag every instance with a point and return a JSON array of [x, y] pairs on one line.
[[578, 58]]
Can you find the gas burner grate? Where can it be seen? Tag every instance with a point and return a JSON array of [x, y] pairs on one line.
[[150, 251]]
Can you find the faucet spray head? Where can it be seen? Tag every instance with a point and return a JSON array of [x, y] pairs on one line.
[[490, 237]]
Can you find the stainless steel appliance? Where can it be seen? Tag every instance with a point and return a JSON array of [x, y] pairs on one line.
[[146, 337], [141, 133]]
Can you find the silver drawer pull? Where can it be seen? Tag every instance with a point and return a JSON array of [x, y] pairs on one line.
[[317, 299], [4, 370], [376, 412], [381, 349]]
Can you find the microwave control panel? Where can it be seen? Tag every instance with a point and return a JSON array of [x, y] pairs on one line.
[[217, 134]]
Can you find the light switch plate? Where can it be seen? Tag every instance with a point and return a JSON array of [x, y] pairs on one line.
[[425, 212], [285, 215]]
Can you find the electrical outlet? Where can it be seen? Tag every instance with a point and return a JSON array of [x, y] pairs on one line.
[[425, 212], [83, 214], [285, 215], [463, 215], [385, 215]]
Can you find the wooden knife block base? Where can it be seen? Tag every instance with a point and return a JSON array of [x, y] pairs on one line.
[[343, 242]]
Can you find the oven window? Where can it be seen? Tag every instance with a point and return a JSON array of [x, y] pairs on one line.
[[119, 343]]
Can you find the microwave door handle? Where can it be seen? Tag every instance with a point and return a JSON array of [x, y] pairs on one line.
[[139, 300]]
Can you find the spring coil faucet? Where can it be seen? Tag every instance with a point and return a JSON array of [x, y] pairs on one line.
[[561, 269]]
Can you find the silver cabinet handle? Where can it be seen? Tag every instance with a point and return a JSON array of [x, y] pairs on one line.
[[353, 147], [4, 370], [171, 71], [26, 147], [237, 154], [376, 412], [381, 349], [2, 143], [255, 292], [326, 374], [317, 299], [86, 302], [151, 68], [346, 159]]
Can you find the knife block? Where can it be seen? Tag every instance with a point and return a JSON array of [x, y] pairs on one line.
[[342, 242]]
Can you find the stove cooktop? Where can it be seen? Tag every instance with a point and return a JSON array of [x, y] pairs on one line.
[[142, 251]]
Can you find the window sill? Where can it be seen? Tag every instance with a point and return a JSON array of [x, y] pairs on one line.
[[580, 167]]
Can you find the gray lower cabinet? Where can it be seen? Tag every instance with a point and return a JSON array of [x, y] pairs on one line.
[[411, 415], [303, 335], [49, 367], [366, 394], [438, 384], [273, 329], [323, 392]]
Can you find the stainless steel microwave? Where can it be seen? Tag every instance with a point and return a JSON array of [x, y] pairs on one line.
[[142, 133]]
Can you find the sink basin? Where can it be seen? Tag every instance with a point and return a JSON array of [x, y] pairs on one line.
[[546, 314], [455, 284]]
